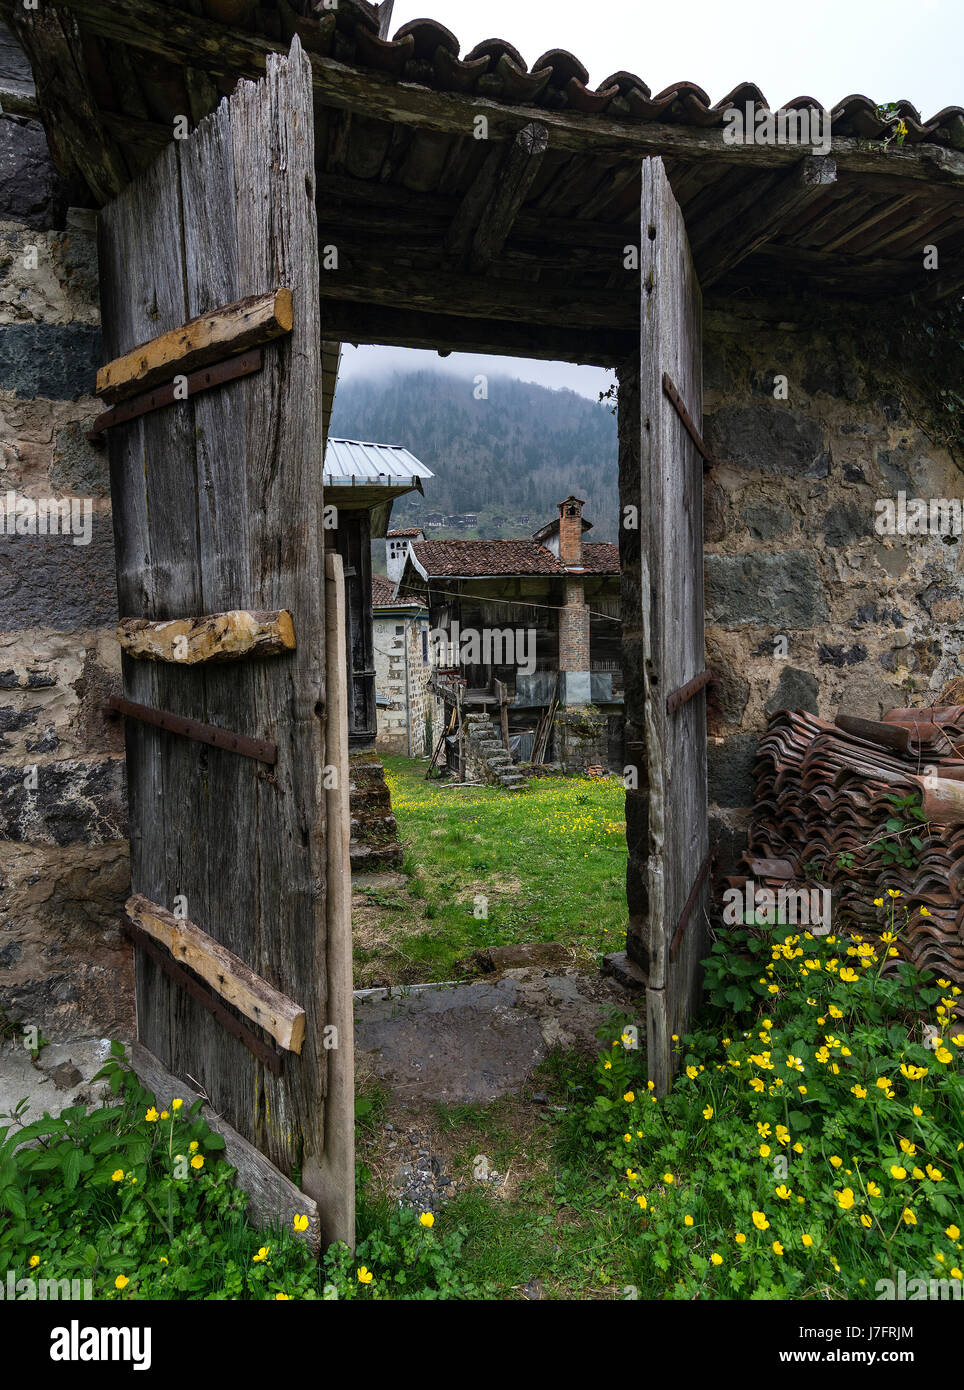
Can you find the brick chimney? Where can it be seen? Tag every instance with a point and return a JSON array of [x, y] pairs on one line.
[[570, 532]]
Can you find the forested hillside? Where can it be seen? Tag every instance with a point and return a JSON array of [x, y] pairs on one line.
[[518, 452]]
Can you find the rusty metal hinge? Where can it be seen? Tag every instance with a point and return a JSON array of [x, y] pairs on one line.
[[218, 374], [256, 748], [187, 981], [679, 697], [689, 904], [677, 402]]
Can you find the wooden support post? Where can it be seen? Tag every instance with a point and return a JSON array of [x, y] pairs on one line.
[[246, 323], [210, 637], [332, 1177], [228, 975], [503, 694], [271, 1196]]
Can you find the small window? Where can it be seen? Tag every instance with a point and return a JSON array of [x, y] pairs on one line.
[[425, 646], [400, 628]]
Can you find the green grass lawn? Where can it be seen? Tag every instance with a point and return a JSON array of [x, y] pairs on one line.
[[490, 868]]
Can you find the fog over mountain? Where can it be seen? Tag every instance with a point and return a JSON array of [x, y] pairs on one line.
[[516, 452]]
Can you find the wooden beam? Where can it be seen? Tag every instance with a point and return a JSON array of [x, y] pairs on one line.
[[733, 231], [484, 220], [272, 1198], [76, 135], [563, 304], [230, 53], [223, 971], [210, 637], [354, 322], [207, 339]]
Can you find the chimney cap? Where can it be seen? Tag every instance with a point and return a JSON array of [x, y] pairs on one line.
[[578, 504]]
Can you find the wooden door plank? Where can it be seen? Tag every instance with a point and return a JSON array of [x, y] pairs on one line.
[[672, 603], [208, 637]]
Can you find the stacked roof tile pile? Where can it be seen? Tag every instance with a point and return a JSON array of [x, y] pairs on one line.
[[825, 790]]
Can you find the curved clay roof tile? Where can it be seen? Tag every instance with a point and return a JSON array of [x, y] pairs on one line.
[[458, 74], [626, 82], [581, 98], [564, 65], [519, 85], [355, 14], [494, 49], [382, 54], [428, 35], [740, 95]]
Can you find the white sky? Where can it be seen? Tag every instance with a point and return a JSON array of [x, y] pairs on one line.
[[887, 50]]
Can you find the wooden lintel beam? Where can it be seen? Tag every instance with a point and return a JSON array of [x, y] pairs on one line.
[[374, 280], [484, 220], [210, 637], [353, 322], [228, 52], [207, 339], [225, 972], [732, 233]]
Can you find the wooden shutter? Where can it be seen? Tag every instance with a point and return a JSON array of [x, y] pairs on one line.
[[217, 504], [671, 524]]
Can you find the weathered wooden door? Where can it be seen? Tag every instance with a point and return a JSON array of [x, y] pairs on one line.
[[671, 525], [217, 505]]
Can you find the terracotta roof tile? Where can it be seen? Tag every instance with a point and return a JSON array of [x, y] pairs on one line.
[[482, 558]]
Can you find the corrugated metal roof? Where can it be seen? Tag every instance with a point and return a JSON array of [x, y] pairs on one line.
[[358, 462]]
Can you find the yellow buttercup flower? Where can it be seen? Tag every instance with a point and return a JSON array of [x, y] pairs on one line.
[[687, 1220], [641, 1202], [165, 1115], [836, 1160], [668, 1179], [193, 1145], [760, 1221], [197, 1161], [845, 1198], [807, 1240], [262, 1255], [300, 1223], [629, 1097], [708, 1112], [716, 1259], [176, 1103], [873, 1190], [897, 1172], [427, 1219], [866, 1221], [151, 1115], [117, 1175], [121, 1281], [365, 1276], [784, 1192], [777, 1248], [282, 1298], [34, 1261], [943, 1055], [908, 1217], [952, 1232], [740, 1238]]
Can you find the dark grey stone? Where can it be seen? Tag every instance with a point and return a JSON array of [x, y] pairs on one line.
[[768, 439], [73, 803], [31, 190], [795, 689], [846, 523], [766, 522], [894, 465], [831, 374], [783, 589], [831, 654], [729, 841], [78, 467], [872, 614], [729, 770], [57, 361], [47, 581]]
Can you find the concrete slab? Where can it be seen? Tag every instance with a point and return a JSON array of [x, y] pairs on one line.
[[472, 1043], [60, 1077]]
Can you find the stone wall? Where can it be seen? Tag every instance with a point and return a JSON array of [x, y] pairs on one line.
[[806, 605], [63, 823], [416, 706], [580, 739]]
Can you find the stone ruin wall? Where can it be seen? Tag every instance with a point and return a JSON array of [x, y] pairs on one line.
[[871, 621]]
